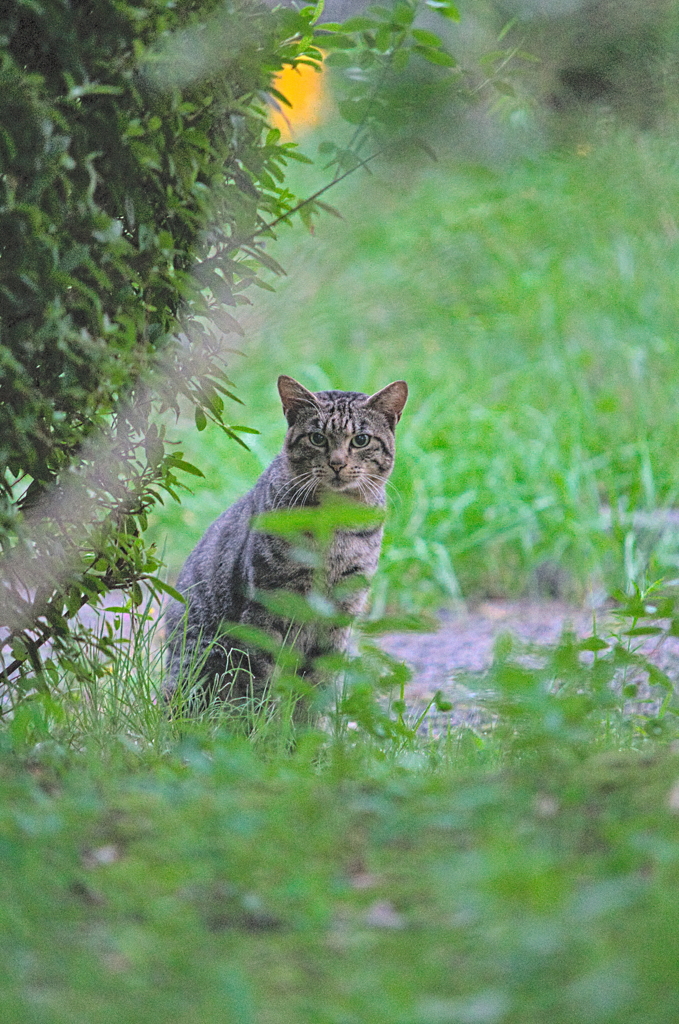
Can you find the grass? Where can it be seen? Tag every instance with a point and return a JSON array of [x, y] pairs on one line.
[[342, 882], [532, 310], [182, 870]]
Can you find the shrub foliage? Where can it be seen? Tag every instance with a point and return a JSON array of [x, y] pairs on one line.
[[128, 152]]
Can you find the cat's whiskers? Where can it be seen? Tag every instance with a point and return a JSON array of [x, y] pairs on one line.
[[283, 496], [305, 491], [298, 489], [387, 484], [363, 492], [370, 487], [293, 498], [381, 481]]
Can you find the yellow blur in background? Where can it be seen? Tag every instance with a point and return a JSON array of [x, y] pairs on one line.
[[305, 88]]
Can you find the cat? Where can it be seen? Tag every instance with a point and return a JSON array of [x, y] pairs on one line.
[[337, 442]]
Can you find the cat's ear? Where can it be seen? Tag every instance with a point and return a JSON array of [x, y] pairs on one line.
[[295, 398], [390, 401]]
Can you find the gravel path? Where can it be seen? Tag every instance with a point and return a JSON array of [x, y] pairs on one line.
[[464, 643], [454, 658]]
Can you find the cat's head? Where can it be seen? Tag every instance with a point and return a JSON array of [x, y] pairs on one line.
[[341, 441]]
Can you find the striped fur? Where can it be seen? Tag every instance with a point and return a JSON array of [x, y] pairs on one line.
[[336, 442]]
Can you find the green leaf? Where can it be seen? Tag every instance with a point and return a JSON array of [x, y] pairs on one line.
[[492, 57], [279, 96], [201, 419], [427, 38], [316, 11], [506, 28], [426, 148], [158, 584], [320, 521], [359, 24], [338, 42], [18, 649], [659, 678], [400, 624], [225, 322], [401, 59], [439, 57], [403, 14], [264, 285], [441, 702], [213, 401], [593, 643], [444, 8], [267, 261], [340, 59], [225, 391], [93, 89], [383, 38], [328, 209], [299, 158], [503, 87], [355, 111], [186, 467], [313, 607], [233, 436]]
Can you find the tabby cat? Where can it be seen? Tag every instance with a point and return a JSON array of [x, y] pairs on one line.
[[337, 442]]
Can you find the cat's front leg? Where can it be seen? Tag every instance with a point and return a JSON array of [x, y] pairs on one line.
[[281, 641], [316, 644]]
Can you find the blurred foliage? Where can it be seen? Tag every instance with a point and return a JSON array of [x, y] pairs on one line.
[[512, 874], [615, 56], [553, 705], [114, 164]]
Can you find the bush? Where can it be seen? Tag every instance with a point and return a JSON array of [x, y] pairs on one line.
[[121, 165]]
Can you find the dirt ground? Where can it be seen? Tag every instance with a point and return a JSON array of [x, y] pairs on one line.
[[464, 643], [454, 658]]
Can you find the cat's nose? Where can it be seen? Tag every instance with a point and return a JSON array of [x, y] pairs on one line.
[[337, 461]]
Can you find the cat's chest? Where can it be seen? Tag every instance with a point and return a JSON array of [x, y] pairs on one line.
[[353, 554], [275, 563]]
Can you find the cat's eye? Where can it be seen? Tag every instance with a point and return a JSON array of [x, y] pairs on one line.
[[360, 440], [317, 438]]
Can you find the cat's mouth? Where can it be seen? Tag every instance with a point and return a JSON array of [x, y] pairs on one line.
[[337, 483]]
